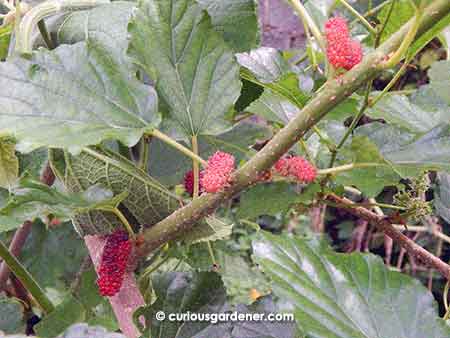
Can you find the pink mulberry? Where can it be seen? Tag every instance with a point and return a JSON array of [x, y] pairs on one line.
[[217, 174]]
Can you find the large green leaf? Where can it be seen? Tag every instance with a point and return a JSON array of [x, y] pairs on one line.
[[53, 256], [9, 163], [346, 296], [273, 107], [267, 199], [72, 97], [105, 24], [431, 151], [11, 315], [439, 79], [405, 113], [407, 152], [204, 293], [195, 72], [147, 200], [31, 200], [236, 19], [65, 314]]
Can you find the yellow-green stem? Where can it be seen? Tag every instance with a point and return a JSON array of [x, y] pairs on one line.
[[125, 222], [409, 38], [171, 142], [304, 15], [358, 16], [26, 279], [195, 168], [347, 167], [390, 84]]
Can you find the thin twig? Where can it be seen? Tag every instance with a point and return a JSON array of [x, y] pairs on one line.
[[383, 224]]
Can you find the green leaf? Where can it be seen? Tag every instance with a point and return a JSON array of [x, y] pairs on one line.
[[372, 180], [147, 200], [440, 81], [204, 293], [265, 64], [9, 164], [424, 39], [401, 13], [84, 330], [213, 229], [33, 200], [171, 166], [273, 108], [72, 97], [105, 24], [11, 315], [267, 199], [240, 277], [195, 72], [430, 151], [346, 296], [32, 164], [442, 196], [236, 19], [53, 256], [267, 68], [5, 37], [70, 311], [403, 112]]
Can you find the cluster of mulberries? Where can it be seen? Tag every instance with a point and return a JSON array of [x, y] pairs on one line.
[[189, 182], [342, 51], [297, 167], [217, 174], [114, 262]]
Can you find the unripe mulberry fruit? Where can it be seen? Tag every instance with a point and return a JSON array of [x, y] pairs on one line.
[[217, 174], [114, 262], [189, 182]]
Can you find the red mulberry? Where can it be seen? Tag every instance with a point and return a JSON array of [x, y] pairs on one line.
[[342, 51], [336, 29], [189, 182], [297, 167], [217, 174], [114, 263]]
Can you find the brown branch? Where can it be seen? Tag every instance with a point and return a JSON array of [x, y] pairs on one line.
[[384, 225], [334, 92], [21, 234]]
